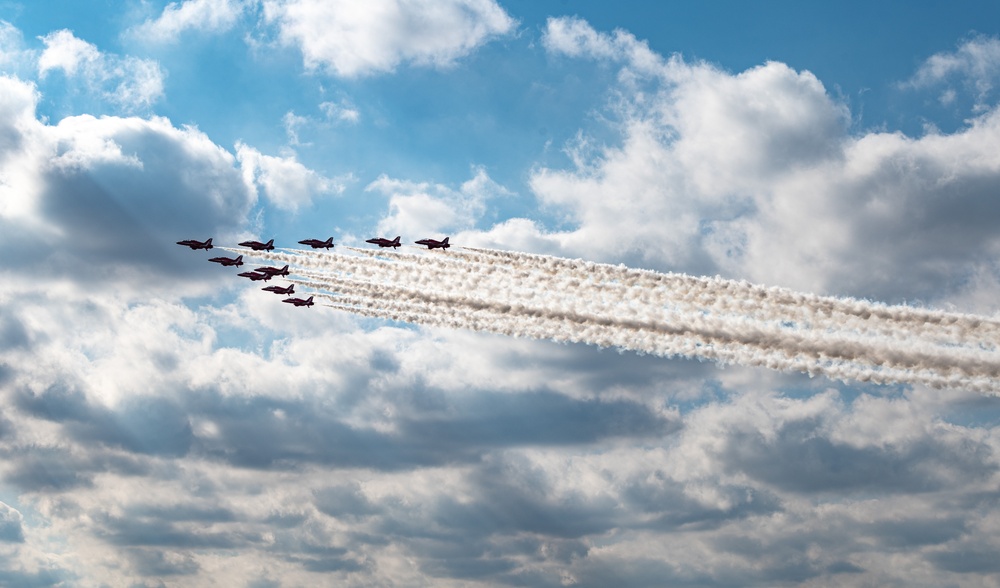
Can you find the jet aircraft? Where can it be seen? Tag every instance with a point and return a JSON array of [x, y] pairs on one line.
[[254, 276], [299, 301], [227, 261], [193, 244], [258, 246], [317, 244], [290, 289], [273, 271], [384, 242], [434, 244]]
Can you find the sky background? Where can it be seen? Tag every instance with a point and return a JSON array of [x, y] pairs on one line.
[[166, 423]]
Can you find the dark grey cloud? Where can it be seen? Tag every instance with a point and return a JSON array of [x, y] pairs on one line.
[[514, 496], [13, 573], [799, 460], [914, 532], [793, 557], [966, 559], [344, 501], [327, 565], [538, 418], [674, 509], [13, 334], [312, 432], [11, 530], [157, 562], [147, 531], [149, 425], [45, 469], [59, 468]]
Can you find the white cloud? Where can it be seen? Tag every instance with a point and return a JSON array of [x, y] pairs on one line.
[[15, 58], [103, 197], [978, 58], [755, 175], [64, 51], [130, 82], [434, 209], [975, 63], [344, 111], [292, 123], [351, 39], [286, 183], [574, 37], [198, 15]]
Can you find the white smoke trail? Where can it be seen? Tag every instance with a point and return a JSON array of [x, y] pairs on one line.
[[621, 287], [663, 314], [748, 297], [703, 337], [637, 302]]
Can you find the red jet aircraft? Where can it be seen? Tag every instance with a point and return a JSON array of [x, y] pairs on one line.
[[317, 244], [227, 261], [433, 244], [279, 290], [273, 271], [258, 246], [254, 276], [384, 242], [299, 301], [196, 244]]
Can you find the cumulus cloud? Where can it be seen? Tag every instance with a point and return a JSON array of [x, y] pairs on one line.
[[285, 182], [720, 172], [90, 197], [129, 82], [192, 15], [352, 40]]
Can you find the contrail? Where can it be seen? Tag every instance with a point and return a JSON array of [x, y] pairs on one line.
[[545, 297]]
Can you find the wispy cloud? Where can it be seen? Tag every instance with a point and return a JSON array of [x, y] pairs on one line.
[[207, 16], [130, 82], [975, 66]]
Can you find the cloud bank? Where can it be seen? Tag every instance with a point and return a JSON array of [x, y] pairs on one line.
[[164, 422]]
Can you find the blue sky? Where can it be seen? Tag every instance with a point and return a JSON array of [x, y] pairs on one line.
[[164, 423]]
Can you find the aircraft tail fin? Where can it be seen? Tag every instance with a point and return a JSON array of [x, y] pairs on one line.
[[445, 240], [208, 244]]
